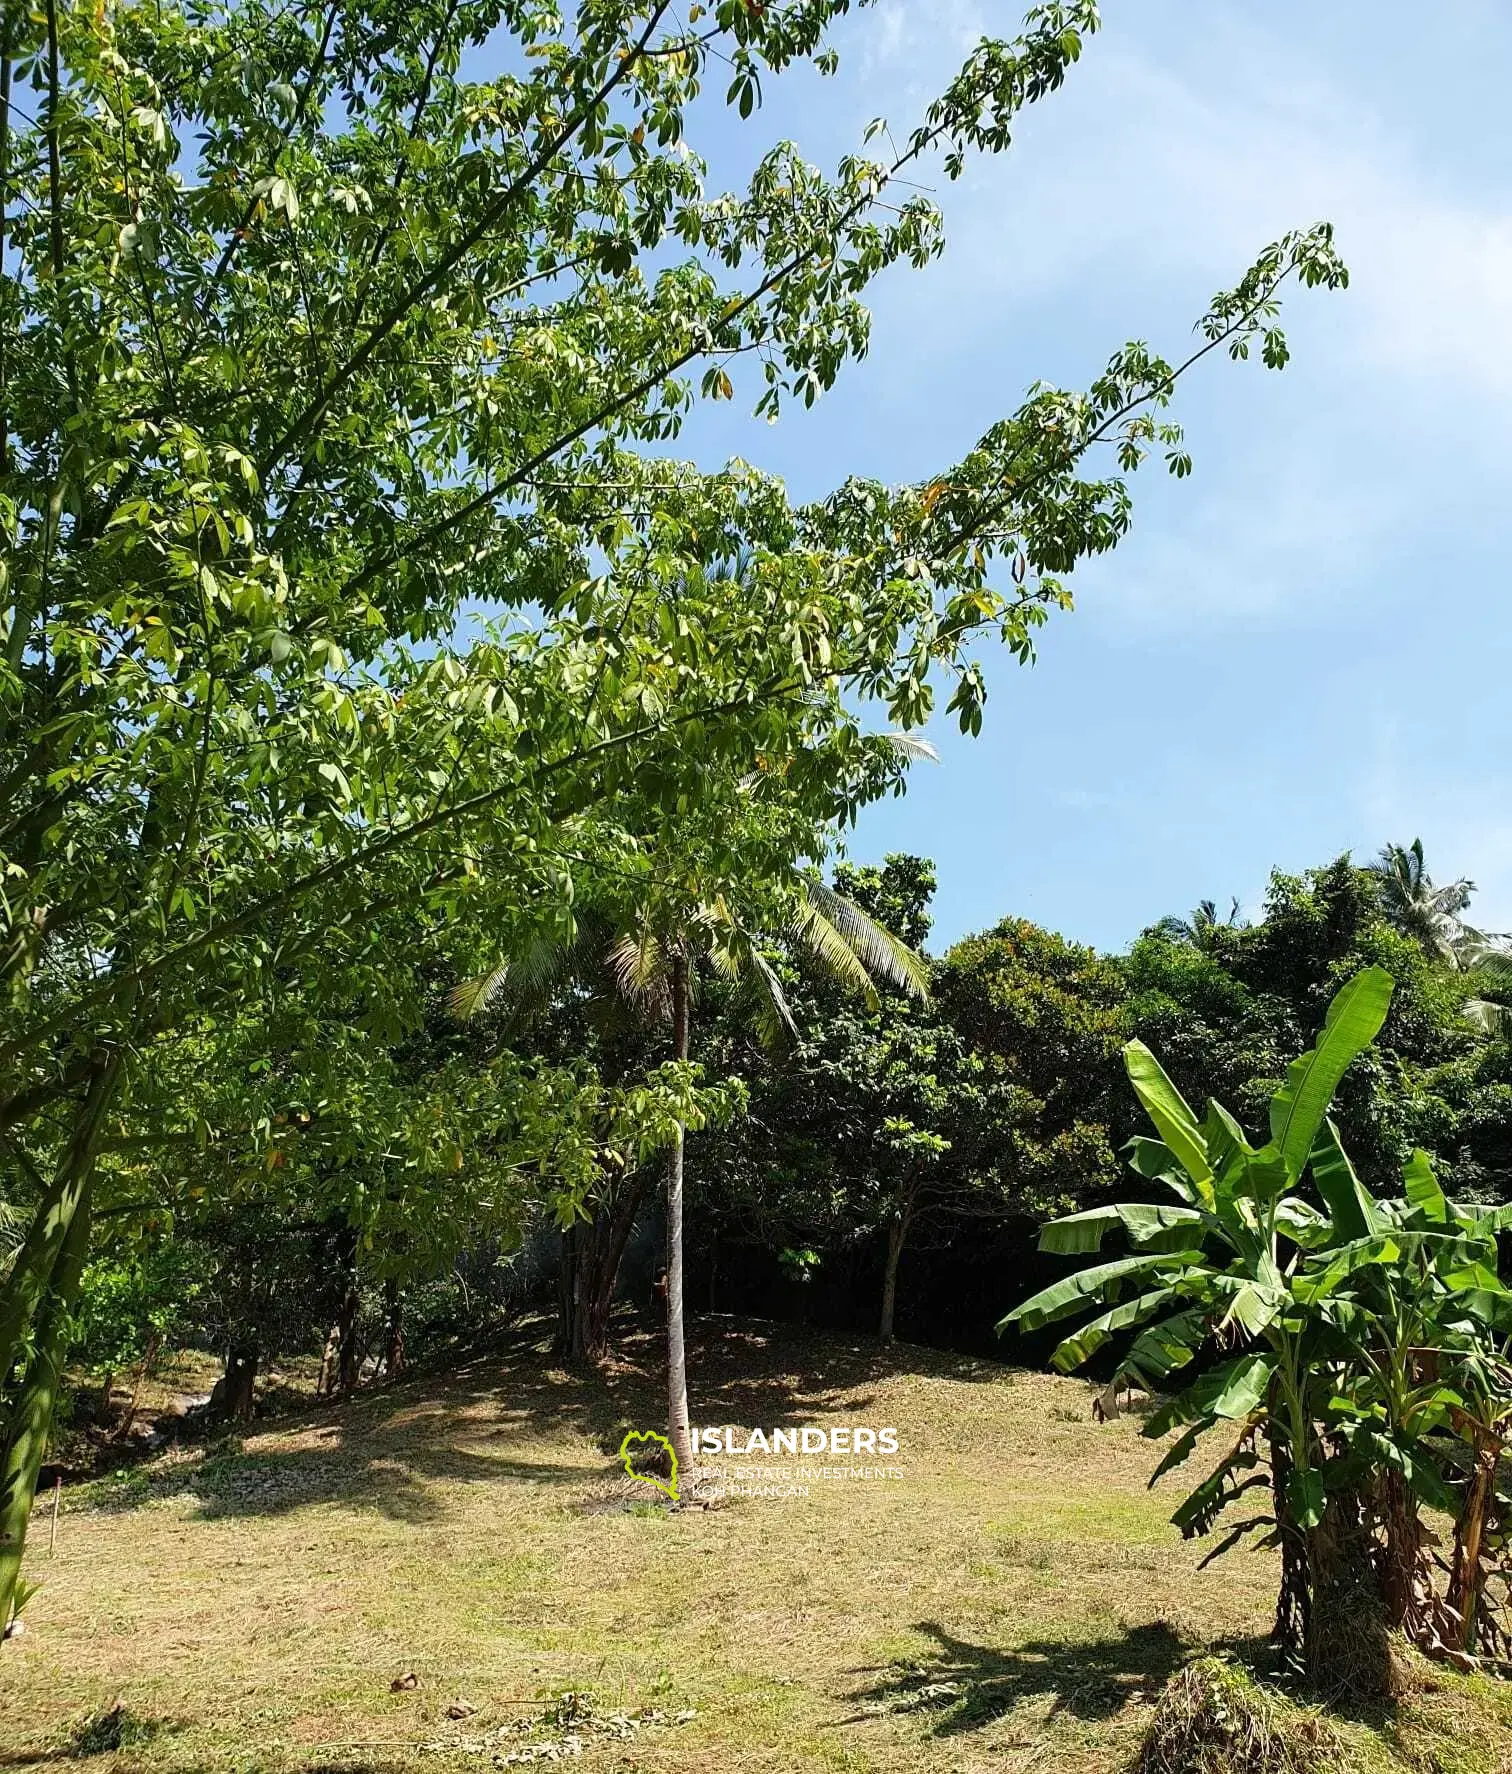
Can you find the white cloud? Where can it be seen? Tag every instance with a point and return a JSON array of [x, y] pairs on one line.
[[1153, 180]]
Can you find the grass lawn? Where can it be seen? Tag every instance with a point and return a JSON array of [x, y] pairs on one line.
[[1015, 1601]]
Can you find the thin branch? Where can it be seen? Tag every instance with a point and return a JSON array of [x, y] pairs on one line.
[[453, 256]]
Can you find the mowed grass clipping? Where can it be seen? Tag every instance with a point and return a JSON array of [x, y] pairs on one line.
[[1016, 1600]]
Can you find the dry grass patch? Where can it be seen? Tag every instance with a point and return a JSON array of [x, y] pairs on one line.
[[1015, 1601]]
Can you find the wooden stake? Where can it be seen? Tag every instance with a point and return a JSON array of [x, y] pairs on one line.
[[52, 1541]]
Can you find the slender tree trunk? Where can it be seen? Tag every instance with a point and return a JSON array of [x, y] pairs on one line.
[[393, 1330], [348, 1357], [349, 1353], [897, 1232], [325, 1384], [567, 1295], [1294, 1598], [32, 1412], [679, 1430], [36, 1304], [144, 1367], [1466, 1577], [592, 1252]]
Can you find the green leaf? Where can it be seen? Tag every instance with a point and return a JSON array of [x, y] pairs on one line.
[[1197, 1512], [1255, 1307], [1422, 1188], [1091, 1337], [1350, 1204], [1179, 1451], [1304, 1496], [1103, 1281], [1354, 1020], [1246, 1385], [1155, 1159], [1229, 1392], [1163, 1348], [1172, 1115], [1165, 1228]]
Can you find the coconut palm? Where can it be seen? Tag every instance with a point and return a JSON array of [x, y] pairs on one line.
[[1200, 930], [654, 967], [1431, 915], [1417, 907]]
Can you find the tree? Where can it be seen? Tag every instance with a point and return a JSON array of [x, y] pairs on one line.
[[1202, 929], [1431, 917], [654, 964], [306, 343], [877, 1120], [1415, 906], [1358, 1336]]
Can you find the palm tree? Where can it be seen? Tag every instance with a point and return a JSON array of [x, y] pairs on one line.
[[1415, 906], [1201, 929], [654, 968], [1430, 915]]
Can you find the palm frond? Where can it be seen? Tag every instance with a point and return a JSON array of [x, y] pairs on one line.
[[469, 998], [912, 746], [830, 923], [519, 986], [1488, 952], [640, 966], [774, 1017], [1491, 1019]]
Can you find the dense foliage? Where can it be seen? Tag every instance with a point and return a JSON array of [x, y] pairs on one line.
[[1360, 1348], [316, 341]]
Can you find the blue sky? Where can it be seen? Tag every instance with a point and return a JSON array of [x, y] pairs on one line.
[[1304, 648]]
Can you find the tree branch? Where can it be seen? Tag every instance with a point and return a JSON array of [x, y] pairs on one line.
[[453, 256]]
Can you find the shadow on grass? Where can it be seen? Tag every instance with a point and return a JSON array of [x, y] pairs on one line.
[[102, 1734], [968, 1686], [384, 1449]]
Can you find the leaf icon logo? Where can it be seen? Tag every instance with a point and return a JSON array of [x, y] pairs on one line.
[[636, 1440]]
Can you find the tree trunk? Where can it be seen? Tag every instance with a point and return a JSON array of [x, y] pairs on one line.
[[35, 1306], [1294, 1598], [1401, 1558], [1466, 1576], [897, 1232], [1348, 1650], [592, 1252], [393, 1330], [348, 1356], [325, 1383], [679, 1430], [144, 1367], [31, 1414]]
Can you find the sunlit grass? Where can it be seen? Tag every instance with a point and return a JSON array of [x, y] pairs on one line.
[[1016, 1600]]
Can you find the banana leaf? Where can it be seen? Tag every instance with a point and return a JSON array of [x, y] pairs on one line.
[[1085, 1343], [1354, 1020], [1354, 1209], [1422, 1188], [1172, 1115], [1104, 1281], [1151, 1226]]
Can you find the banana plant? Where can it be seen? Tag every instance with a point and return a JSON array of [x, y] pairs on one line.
[[1350, 1336]]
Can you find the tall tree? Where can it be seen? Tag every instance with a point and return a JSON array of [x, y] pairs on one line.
[[673, 928], [1416, 906], [308, 340]]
